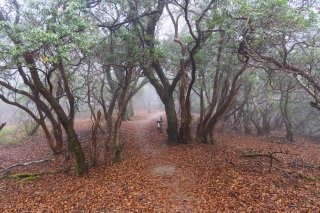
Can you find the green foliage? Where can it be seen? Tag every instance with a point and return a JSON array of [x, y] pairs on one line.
[[49, 26], [25, 176], [219, 16], [7, 136], [169, 53], [199, 57], [187, 38]]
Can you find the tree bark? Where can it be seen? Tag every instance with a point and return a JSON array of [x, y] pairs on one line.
[[285, 114], [54, 144], [42, 87], [172, 123], [2, 125], [184, 99], [75, 147], [207, 126], [66, 121], [94, 155], [129, 111], [158, 78]]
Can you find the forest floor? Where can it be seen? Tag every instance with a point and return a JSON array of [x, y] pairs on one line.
[[232, 175]]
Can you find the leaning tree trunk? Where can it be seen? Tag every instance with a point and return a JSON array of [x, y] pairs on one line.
[[54, 144], [57, 132], [66, 121], [205, 133], [75, 147], [207, 126]]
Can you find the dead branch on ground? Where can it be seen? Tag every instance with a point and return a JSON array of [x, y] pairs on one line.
[[6, 170], [269, 155]]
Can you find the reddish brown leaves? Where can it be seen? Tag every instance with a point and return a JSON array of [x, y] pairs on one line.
[[188, 178]]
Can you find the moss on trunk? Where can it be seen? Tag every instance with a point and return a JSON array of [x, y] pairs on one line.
[[75, 147]]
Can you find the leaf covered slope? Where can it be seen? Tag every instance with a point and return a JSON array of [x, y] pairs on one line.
[[188, 178]]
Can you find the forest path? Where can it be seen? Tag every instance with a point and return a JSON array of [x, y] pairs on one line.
[[161, 164], [153, 177]]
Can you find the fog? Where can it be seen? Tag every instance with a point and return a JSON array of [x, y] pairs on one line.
[[9, 114], [147, 99]]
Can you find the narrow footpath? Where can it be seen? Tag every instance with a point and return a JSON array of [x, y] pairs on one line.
[[170, 179]]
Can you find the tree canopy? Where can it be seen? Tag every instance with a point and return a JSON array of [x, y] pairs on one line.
[[249, 65]]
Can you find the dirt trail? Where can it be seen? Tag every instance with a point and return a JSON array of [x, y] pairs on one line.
[[156, 178], [159, 162], [142, 131]]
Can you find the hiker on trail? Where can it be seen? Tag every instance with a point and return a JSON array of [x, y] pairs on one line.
[[159, 124]]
